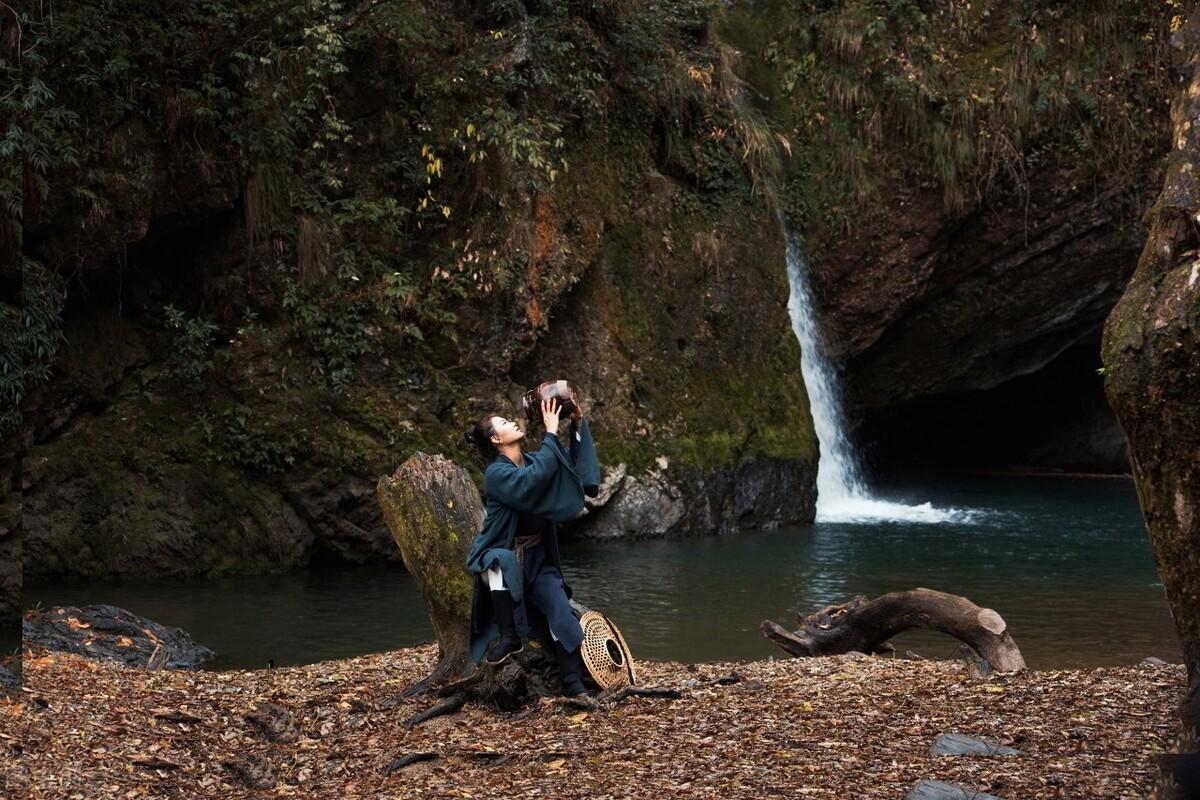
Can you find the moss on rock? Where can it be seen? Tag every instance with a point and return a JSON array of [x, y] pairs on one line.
[[649, 272]]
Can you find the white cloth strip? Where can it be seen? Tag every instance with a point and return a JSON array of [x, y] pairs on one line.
[[495, 579]]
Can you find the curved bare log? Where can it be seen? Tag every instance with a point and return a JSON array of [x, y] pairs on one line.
[[866, 625]]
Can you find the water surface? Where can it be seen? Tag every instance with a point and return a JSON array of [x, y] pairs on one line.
[[1065, 562]]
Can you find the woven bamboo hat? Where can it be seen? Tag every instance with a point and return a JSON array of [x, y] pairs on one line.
[[605, 653]]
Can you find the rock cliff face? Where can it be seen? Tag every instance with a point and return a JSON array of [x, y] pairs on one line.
[[660, 292], [690, 371], [925, 304], [280, 282], [970, 180], [1151, 354], [950, 329]]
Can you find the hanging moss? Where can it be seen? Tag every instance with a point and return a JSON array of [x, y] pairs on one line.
[[972, 100]]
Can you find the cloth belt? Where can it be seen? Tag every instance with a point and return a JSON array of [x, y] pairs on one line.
[[520, 544]]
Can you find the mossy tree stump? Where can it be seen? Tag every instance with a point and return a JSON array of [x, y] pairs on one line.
[[434, 510]]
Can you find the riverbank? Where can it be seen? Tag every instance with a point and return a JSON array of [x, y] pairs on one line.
[[1019, 546], [844, 726]]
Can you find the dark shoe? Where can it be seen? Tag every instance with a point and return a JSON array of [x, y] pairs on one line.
[[501, 649], [509, 642], [570, 665], [578, 690]]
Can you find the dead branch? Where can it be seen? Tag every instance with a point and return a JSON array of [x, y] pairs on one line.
[[865, 626]]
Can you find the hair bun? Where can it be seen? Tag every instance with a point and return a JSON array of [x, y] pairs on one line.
[[469, 436]]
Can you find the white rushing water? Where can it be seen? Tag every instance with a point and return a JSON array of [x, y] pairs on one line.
[[842, 493]]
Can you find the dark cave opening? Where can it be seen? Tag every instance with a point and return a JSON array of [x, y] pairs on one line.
[[187, 263], [1053, 420]]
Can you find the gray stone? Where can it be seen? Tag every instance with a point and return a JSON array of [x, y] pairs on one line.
[[609, 484], [957, 744], [645, 506], [761, 492], [941, 303], [940, 790]]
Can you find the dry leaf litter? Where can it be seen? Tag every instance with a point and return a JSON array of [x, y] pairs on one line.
[[835, 727]]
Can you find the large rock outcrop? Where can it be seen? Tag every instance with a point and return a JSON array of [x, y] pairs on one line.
[[198, 423], [761, 492], [973, 341], [1151, 356], [685, 363], [928, 304], [970, 180]]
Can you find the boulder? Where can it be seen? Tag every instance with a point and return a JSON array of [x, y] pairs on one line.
[[759, 493], [108, 632]]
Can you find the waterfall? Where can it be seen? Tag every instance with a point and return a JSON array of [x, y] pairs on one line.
[[842, 493]]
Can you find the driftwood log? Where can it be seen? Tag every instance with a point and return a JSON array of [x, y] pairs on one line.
[[865, 625]]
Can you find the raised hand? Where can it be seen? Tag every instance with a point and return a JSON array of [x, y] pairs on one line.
[[550, 408]]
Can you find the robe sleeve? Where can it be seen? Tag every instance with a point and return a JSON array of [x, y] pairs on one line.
[[522, 488], [583, 457]]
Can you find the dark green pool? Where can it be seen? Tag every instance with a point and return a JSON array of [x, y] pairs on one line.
[[1065, 561]]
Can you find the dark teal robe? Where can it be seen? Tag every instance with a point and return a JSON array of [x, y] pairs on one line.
[[552, 485]]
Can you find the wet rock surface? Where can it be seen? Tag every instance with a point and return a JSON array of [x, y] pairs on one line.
[[113, 634]]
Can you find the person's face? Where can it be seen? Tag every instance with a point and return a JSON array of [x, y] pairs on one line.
[[505, 431]]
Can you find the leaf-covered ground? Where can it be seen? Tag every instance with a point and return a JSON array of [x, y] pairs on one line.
[[845, 726]]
